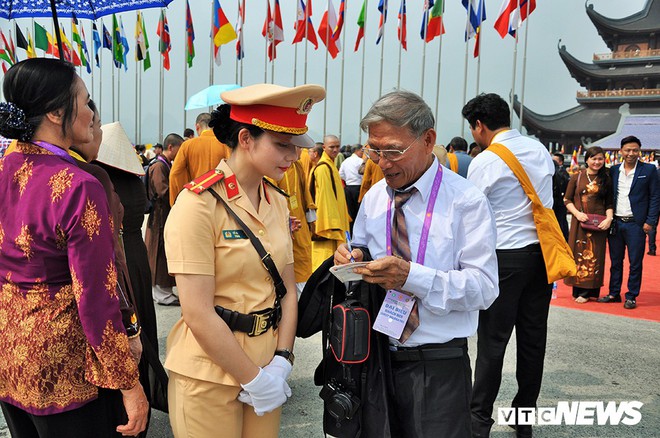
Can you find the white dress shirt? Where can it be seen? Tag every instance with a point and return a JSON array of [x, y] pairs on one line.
[[349, 170], [623, 208], [459, 275], [510, 203]]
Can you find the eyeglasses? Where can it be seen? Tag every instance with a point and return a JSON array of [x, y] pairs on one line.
[[388, 154]]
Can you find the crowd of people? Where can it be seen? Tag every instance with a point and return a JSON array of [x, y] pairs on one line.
[[241, 212]]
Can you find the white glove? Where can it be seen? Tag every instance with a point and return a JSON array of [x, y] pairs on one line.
[[268, 392], [279, 367]]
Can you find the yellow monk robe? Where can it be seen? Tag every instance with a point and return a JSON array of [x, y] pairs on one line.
[[453, 162], [300, 201], [332, 220], [372, 174], [306, 162]]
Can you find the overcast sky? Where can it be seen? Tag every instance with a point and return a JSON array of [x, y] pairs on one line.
[[549, 87]]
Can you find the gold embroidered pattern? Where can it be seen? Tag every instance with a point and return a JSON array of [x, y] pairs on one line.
[[24, 241], [2, 236], [36, 294], [112, 224], [23, 175], [60, 237], [111, 279], [2, 164], [109, 366], [91, 221], [59, 183], [76, 285], [9, 289], [31, 149]]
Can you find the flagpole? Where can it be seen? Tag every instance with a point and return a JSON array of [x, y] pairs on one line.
[[101, 66], [482, 5], [114, 119], [238, 15], [382, 59], [524, 71], [341, 86], [364, 51], [327, 52], [515, 59], [119, 92], [185, 76], [306, 39], [160, 93], [295, 65], [437, 86], [211, 57], [426, 31], [137, 80], [398, 75], [266, 40], [465, 68]]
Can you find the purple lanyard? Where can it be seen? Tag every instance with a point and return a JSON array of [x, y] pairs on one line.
[[55, 150], [423, 242], [160, 157]]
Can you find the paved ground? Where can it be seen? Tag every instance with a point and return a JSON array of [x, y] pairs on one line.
[[590, 357]]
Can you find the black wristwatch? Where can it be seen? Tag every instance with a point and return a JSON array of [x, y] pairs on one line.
[[287, 354]]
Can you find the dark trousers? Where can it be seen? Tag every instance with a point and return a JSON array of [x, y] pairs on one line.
[[523, 303], [652, 234], [96, 419], [432, 395], [628, 235]]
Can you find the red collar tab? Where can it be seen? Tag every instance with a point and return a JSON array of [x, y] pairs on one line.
[[203, 182], [231, 186]]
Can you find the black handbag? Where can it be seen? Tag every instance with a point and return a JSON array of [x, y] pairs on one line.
[[349, 332]]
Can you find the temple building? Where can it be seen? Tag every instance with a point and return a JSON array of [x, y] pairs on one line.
[[622, 83]]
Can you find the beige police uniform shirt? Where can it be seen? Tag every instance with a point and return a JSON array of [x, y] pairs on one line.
[[201, 238]]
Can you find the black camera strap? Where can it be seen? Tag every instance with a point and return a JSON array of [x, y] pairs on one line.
[[266, 259]]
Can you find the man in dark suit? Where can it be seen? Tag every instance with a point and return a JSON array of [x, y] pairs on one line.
[[636, 206]]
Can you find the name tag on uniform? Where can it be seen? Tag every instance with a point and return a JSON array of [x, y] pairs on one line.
[[293, 202], [394, 313], [234, 234]]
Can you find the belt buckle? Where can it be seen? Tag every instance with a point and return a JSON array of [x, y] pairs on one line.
[[260, 324], [267, 255]]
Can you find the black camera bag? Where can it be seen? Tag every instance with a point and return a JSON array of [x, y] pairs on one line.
[[349, 332]]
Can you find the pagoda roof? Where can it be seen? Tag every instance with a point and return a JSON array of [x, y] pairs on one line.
[[645, 127], [587, 73], [644, 22], [580, 121]]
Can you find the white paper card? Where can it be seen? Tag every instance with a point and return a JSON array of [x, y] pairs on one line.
[[394, 313], [345, 272]]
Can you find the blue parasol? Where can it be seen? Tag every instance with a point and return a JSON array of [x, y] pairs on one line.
[[91, 9], [209, 96]]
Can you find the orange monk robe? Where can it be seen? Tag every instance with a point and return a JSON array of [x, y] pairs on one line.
[[332, 219], [195, 157], [306, 162], [372, 174], [294, 183]]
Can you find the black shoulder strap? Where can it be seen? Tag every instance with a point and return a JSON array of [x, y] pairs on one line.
[[277, 189], [312, 181], [266, 259]]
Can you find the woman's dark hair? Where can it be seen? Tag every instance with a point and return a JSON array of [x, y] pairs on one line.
[[38, 86], [603, 172], [226, 130]]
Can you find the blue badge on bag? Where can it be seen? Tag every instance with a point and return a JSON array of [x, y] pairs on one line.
[[234, 234]]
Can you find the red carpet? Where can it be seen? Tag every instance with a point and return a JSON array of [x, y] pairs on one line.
[[648, 302]]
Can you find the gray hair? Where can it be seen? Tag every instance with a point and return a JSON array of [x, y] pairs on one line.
[[402, 109]]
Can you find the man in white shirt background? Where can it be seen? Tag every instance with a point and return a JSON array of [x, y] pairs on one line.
[[524, 292], [431, 235], [349, 173], [636, 205]]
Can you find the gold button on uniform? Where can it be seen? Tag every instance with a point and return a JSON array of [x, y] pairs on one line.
[[267, 279], [262, 232]]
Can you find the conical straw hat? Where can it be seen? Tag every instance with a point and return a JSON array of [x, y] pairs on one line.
[[118, 151]]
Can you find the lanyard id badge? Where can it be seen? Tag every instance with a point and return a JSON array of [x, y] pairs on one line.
[[394, 313]]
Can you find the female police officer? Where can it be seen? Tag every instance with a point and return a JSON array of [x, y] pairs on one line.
[[246, 340]]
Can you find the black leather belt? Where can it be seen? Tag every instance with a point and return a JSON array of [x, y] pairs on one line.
[[254, 323], [625, 219], [449, 350]]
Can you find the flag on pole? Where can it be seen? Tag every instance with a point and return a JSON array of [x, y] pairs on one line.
[[124, 44], [190, 37], [301, 27], [432, 25], [75, 36], [6, 54], [52, 45], [360, 23], [96, 40], [240, 53], [67, 51], [31, 53], [107, 39], [117, 49], [574, 161], [164, 45], [147, 57], [401, 28], [40, 37], [328, 23], [476, 10], [84, 54], [512, 14], [272, 30], [222, 31], [340, 21], [20, 38], [8, 47], [382, 7]]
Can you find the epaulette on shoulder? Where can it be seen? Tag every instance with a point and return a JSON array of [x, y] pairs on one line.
[[203, 182], [277, 189]]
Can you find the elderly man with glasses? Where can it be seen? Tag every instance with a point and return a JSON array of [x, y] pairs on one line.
[[430, 238]]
